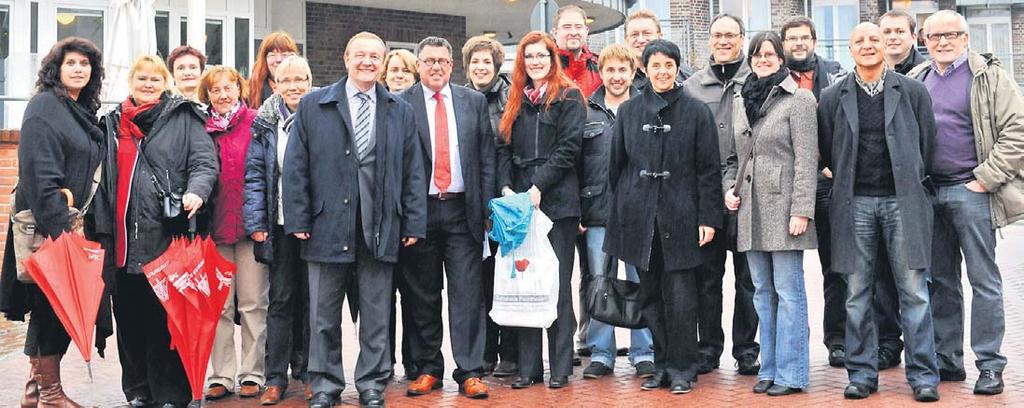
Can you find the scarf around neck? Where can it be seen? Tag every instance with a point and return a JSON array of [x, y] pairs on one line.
[[86, 118], [756, 90], [806, 65], [218, 123], [535, 94]]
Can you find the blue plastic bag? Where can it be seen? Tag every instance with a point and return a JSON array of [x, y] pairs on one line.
[[510, 220]]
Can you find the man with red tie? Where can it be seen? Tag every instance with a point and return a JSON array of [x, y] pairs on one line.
[[459, 159]]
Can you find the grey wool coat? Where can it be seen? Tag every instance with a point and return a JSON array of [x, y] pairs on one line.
[[909, 134], [780, 178]]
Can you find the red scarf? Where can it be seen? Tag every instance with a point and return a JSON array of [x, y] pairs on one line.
[[127, 154]]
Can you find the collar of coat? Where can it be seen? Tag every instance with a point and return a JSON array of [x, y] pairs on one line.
[[708, 78], [337, 94], [979, 64], [848, 97], [596, 99], [653, 103]]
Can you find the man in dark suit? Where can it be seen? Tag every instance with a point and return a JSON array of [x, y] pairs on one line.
[[353, 190], [458, 153]]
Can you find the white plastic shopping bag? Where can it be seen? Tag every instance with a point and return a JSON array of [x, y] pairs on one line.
[[526, 280]]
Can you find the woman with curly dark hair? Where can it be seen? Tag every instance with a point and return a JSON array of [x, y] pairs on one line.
[[60, 149]]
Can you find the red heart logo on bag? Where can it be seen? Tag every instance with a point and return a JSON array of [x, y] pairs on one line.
[[522, 264]]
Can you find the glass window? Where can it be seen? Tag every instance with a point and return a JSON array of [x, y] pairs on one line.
[[834, 22], [242, 46], [33, 45], [184, 32], [215, 42], [163, 34], [83, 23]]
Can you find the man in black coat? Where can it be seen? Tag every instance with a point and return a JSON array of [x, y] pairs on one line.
[[353, 191], [875, 130], [456, 139]]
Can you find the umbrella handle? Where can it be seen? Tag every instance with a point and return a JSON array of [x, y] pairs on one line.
[[192, 227], [69, 196]]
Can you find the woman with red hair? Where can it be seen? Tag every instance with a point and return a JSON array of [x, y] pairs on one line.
[[275, 47], [541, 133]]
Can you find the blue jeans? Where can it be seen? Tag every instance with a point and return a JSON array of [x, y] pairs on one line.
[[781, 304], [963, 223], [601, 335], [877, 221]]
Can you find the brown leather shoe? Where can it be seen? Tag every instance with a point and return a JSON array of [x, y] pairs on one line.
[[423, 385], [473, 388], [51, 394], [31, 397], [307, 392], [216, 392], [272, 395], [249, 389]]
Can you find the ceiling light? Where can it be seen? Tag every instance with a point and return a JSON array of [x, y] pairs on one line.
[[490, 34], [65, 18], [590, 20]]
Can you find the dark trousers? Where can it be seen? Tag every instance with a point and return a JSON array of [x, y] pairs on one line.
[[834, 284], [711, 338], [289, 292], [46, 335], [560, 344], [500, 341], [327, 282], [408, 326], [670, 309], [150, 369], [451, 246]]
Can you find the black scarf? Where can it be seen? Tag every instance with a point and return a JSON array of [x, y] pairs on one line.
[[145, 120], [725, 72], [670, 96], [86, 118], [806, 65], [756, 90]]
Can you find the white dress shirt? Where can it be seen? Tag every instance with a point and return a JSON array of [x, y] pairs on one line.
[[457, 185]]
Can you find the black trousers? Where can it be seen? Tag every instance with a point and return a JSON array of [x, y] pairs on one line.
[[450, 249], [46, 335], [834, 319], [150, 369], [711, 338], [408, 326], [670, 309], [560, 344], [289, 293], [500, 341]]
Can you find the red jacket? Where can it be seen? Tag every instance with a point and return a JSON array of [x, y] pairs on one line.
[[226, 224], [582, 71]]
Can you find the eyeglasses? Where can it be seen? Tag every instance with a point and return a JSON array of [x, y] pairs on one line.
[[725, 36], [444, 62], [802, 38], [764, 56], [949, 36], [282, 55], [288, 82], [636, 35], [536, 57]]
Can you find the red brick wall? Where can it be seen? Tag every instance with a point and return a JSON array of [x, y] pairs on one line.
[[329, 27], [782, 10], [869, 10], [698, 14], [8, 178]]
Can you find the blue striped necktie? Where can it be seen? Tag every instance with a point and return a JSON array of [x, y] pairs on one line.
[[362, 125]]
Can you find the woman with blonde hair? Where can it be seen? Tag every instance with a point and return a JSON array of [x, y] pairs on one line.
[[399, 71], [275, 47]]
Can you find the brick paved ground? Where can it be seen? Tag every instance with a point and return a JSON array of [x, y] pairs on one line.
[[722, 387]]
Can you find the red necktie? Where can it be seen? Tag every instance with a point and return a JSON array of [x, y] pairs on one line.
[[442, 161]]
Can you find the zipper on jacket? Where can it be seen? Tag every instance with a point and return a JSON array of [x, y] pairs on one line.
[[377, 238], [536, 135]]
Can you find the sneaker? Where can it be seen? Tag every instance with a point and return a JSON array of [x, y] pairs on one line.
[[990, 382], [596, 370], [645, 369]]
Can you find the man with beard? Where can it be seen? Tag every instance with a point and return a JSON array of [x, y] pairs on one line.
[[641, 27], [814, 72], [717, 86], [570, 31]]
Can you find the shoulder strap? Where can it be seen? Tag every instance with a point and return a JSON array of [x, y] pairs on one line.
[[95, 186]]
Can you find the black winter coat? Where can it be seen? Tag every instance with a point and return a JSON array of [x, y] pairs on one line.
[[181, 154], [321, 181], [593, 163], [543, 151], [674, 206], [497, 96], [261, 178]]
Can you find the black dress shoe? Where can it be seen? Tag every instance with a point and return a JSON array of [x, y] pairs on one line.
[[779, 390], [681, 387], [990, 382], [622, 352], [524, 382], [762, 386], [837, 357], [887, 358], [558, 382], [658, 380], [322, 400], [706, 365], [584, 352], [926, 393], [952, 375], [505, 369], [857, 391], [748, 365], [371, 398]]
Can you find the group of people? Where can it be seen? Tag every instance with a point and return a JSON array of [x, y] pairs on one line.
[[374, 186]]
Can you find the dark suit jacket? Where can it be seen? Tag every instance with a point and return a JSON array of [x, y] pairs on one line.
[[321, 177], [909, 134], [476, 148]]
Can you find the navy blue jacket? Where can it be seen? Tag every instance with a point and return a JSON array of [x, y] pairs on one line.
[[261, 177]]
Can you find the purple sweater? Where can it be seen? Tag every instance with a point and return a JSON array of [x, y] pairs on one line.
[[953, 156]]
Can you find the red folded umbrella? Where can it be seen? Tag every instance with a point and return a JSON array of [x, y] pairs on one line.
[[69, 272], [192, 281]]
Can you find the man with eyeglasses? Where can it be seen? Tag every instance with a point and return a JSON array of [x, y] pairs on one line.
[[458, 151], [570, 31], [876, 130], [814, 72], [642, 26], [977, 162], [718, 85]]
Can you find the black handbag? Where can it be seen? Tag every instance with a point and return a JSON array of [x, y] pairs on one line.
[[172, 205], [616, 302]]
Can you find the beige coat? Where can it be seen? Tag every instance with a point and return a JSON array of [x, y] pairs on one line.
[[997, 110], [780, 179]]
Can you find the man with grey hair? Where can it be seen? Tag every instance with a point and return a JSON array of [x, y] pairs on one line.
[[977, 161], [454, 127]]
